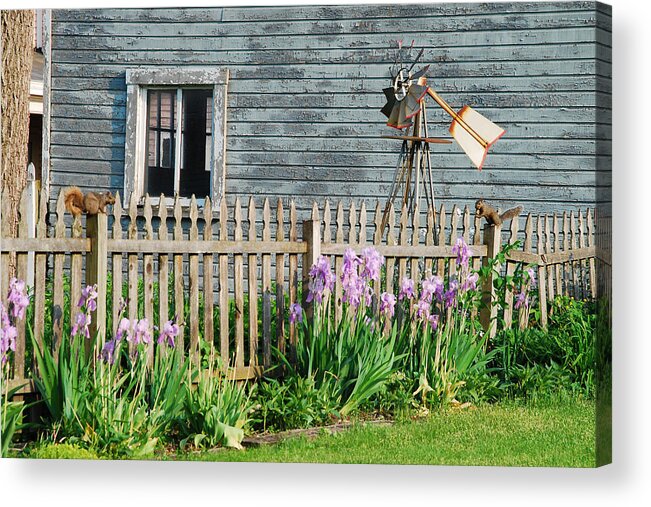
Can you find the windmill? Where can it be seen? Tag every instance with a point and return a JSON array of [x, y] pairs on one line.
[[406, 111]]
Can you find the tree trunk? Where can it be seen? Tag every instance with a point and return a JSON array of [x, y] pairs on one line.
[[17, 52]]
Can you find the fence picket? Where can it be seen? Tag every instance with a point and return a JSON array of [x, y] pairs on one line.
[[223, 288], [339, 238], [117, 300], [163, 266], [179, 289], [557, 248], [550, 268], [132, 262], [574, 265], [21, 274], [582, 265], [391, 241], [510, 270], [238, 275], [429, 238], [58, 319], [76, 266], [40, 262], [441, 240], [454, 219], [208, 297], [415, 240], [377, 240], [293, 272], [148, 277], [253, 286], [591, 243], [404, 241], [266, 287], [193, 263], [362, 224], [542, 275], [280, 280], [523, 314], [477, 240]]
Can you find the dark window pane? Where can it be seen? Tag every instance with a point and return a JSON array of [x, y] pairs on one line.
[[159, 175], [195, 179]]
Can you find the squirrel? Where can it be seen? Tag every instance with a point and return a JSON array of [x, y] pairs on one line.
[[91, 203], [492, 216]]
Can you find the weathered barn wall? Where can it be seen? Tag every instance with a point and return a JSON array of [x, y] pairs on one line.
[[305, 93]]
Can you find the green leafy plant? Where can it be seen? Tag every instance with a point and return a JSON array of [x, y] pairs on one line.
[[12, 418], [292, 402], [216, 410]]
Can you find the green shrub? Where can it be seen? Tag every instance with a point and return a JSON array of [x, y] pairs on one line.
[[559, 357], [292, 402], [216, 411]]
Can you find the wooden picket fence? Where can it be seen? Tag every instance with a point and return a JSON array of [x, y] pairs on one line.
[[238, 268]]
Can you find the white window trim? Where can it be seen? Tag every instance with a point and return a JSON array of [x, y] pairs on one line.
[[138, 80]]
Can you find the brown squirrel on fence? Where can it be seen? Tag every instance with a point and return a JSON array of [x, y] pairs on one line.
[[492, 216], [91, 203]]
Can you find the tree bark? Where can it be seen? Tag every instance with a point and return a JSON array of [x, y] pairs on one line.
[[17, 52]]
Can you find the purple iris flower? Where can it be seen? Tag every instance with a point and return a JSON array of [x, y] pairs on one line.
[[406, 289], [295, 313], [463, 253], [373, 262], [522, 300], [81, 326], [168, 333], [88, 298], [17, 298], [108, 352], [387, 304], [321, 278]]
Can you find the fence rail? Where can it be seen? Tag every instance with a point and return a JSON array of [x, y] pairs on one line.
[[235, 271]]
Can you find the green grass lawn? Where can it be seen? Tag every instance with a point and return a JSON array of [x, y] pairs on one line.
[[561, 435]]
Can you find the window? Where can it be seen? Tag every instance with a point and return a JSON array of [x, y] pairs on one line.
[[175, 139]]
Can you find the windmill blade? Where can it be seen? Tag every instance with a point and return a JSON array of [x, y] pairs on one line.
[[412, 107], [389, 93], [420, 73], [418, 92], [388, 108], [403, 121], [393, 117], [486, 129], [391, 100]]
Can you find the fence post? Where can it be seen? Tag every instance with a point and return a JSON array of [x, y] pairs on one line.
[[96, 270], [312, 239], [492, 240]]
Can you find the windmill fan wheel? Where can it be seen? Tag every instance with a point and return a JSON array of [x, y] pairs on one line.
[[404, 98]]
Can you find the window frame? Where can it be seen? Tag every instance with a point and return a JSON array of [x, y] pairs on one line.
[[138, 81]]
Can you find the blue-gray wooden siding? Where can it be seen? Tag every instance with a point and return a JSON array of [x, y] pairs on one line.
[[305, 92]]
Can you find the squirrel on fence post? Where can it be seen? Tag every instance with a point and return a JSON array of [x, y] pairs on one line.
[[492, 216], [91, 203]]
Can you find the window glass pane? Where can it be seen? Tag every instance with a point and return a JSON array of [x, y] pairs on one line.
[[167, 103], [152, 152], [153, 109], [159, 174], [197, 106], [208, 133]]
